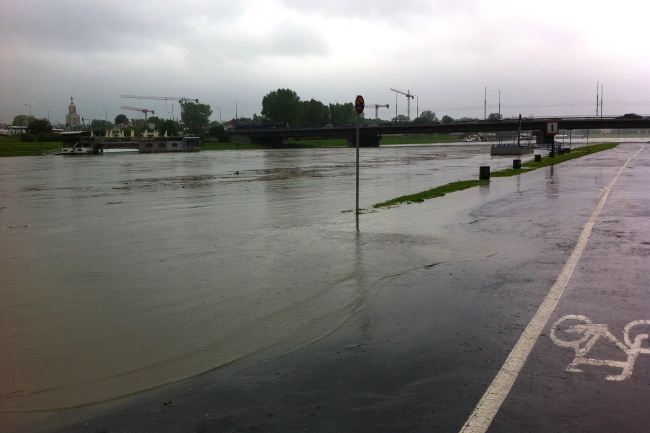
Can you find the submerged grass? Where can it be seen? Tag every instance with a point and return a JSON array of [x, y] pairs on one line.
[[465, 184], [546, 162], [432, 193]]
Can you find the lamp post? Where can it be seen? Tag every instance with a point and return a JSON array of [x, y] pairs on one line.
[[417, 106], [601, 101], [236, 107], [105, 120], [485, 105], [335, 123], [499, 104], [30, 110], [219, 114]]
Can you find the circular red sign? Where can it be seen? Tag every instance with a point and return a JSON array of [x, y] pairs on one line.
[[359, 104]]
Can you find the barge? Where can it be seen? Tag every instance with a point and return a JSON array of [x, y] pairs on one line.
[[80, 144], [169, 144]]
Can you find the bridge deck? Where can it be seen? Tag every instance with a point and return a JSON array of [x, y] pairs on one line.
[[440, 128]]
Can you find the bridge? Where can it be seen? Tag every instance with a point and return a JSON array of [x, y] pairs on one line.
[[370, 136]]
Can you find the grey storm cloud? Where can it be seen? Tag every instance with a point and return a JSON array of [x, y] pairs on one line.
[[540, 57]]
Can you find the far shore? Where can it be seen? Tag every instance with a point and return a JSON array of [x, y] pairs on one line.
[[12, 146]]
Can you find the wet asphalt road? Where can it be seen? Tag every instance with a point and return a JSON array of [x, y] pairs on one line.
[[425, 345], [610, 287]]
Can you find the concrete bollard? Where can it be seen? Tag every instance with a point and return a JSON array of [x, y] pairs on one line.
[[484, 172], [538, 158], [516, 163]]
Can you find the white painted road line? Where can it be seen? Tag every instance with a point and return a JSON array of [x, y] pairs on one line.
[[488, 406]]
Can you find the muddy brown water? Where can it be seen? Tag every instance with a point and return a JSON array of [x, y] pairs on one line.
[[121, 273]]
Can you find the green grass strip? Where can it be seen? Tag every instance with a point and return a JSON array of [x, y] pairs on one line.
[[432, 193], [12, 146], [547, 161], [465, 184]]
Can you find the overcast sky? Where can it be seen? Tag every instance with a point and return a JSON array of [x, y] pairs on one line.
[[544, 57]]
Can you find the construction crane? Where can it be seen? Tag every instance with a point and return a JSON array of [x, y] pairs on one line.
[[142, 110], [181, 99], [408, 100], [377, 106]]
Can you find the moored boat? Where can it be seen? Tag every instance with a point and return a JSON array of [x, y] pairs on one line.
[[80, 144], [169, 144]]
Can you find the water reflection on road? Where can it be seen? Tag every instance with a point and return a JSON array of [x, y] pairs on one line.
[[125, 272]]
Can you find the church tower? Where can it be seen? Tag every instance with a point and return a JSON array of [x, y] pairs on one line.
[[72, 119]]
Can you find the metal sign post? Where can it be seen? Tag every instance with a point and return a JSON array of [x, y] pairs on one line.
[[358, 106], [552, 129]]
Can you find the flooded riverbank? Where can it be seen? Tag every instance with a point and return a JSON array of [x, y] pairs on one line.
[[127, 272]]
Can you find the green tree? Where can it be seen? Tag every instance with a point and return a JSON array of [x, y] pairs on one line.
[[282, 105], [447, 119], [120, 119], [342, 114], [156, 121], [39, 126], [196, 116], [22, 120], [494, 117], [427, 116], [100, 125], [259, 119], [169, 126], [400, 119], [217, 131], [314, 113], [139, 126]]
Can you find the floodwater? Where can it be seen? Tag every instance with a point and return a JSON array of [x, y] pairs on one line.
[[121, 273]]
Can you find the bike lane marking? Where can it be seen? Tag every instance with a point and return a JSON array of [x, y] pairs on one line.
[[591, 333], [490, 403]]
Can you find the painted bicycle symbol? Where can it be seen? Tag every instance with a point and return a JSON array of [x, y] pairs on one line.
[[581, 334]]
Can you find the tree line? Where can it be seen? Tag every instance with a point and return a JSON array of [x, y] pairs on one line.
[[285, 106], [278, 106]]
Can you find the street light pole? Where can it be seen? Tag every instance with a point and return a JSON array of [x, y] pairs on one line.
[[219, 114], [601, 101], [30, 110], [485, 105], [105, 119], [335, 123], [499, 104]]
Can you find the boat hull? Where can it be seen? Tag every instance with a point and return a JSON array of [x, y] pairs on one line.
[[76, 151]]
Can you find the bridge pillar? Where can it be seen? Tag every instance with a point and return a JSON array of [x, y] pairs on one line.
[[365, 140]]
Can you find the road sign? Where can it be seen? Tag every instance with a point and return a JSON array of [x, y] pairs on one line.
[[551, 128], [359, 104]]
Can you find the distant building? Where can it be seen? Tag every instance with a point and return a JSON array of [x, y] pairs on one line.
[[72, 119]]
